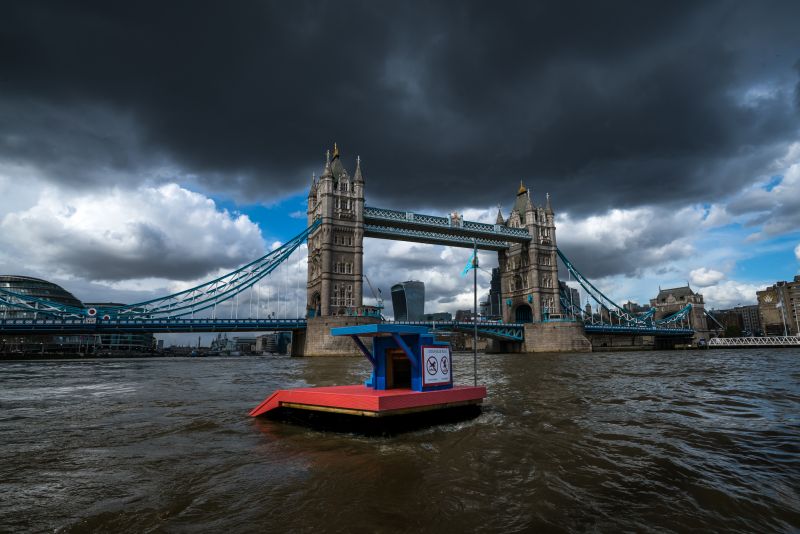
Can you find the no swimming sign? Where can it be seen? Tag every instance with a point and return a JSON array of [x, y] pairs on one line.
[[436, 366]]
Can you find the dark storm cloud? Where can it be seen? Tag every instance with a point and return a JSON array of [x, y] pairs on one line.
[[449, 104], [797, 87]]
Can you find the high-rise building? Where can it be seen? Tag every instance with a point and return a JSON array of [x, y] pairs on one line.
[[408, 300], [495, 305]]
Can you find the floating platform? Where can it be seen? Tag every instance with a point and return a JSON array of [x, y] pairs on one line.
[[360, 400], [411, 385]]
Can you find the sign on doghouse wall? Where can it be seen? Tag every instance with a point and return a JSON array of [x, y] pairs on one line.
[[436, 366]]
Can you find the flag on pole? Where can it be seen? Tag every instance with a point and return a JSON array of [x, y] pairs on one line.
[[471, 264]]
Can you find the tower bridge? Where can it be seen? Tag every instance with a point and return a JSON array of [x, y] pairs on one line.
[[536, 316], [525, 244]]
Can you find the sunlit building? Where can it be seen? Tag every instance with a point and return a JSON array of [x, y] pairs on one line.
[[779, 308]]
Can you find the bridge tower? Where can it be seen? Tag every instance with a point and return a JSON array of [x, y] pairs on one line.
[[529, 272], [335, 248]]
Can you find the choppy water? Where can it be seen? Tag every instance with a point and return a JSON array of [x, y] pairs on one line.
[[649, 441]]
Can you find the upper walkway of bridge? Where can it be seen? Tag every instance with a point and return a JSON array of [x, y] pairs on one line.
[[454, 231]]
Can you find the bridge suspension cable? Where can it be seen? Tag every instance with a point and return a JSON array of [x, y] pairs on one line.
[[187, 302], [602, 300], [612, 308]]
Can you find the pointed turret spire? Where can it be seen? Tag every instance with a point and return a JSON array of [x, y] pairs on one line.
[[335, 150], [327, 172], [358, 176], [499, 219], [522, 205], [548, 208], [312, 191]]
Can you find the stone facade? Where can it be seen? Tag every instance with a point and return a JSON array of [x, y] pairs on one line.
[[669, 301], [779, 308], [556, 336], [335, 248], [529, 272]]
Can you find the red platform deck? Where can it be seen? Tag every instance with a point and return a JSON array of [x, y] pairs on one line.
[[364, 401]]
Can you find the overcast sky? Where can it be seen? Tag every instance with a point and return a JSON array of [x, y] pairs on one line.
[[148, 145]]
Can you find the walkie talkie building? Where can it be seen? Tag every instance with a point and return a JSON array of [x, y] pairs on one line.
[[408, 300]]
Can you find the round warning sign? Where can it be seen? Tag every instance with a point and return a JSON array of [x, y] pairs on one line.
[[436, 366], [433, 365]]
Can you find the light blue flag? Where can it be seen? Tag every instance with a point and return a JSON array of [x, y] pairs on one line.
[[470, 264]]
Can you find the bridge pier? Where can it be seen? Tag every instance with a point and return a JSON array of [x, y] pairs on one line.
[[318, 341], [618, 342], [556, 336], [500, 346]]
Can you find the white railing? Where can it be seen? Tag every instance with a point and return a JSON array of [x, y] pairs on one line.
[[768, 341]]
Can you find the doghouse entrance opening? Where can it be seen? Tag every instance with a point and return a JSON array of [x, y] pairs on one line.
[[398, 369]]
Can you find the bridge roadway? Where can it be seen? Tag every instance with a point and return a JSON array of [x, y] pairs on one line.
[[153, 326], [513, 332], [503, 331]]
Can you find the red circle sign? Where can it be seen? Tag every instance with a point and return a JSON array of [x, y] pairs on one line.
[[91, 312]]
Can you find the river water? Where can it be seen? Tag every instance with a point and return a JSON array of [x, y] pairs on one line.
[[637, 441]]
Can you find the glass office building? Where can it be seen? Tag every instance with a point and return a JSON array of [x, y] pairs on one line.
[[34, 287], [23, 344], [408, 301]]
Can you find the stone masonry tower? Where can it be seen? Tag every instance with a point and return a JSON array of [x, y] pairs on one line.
[[335, 248], [529, 272]]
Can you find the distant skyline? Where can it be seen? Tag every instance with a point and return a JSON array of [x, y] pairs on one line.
[[148, 146]]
